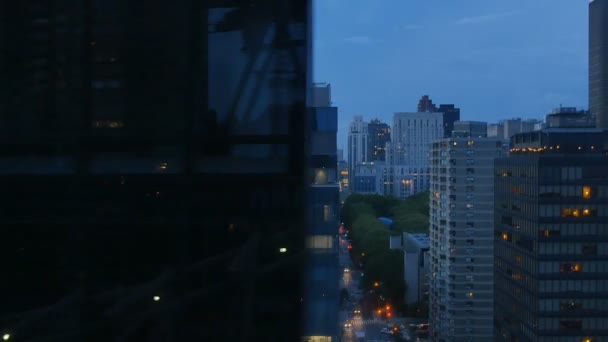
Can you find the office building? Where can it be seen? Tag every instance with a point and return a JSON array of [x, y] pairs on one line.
[[321, 95], [474, 129], [365, 179], [461, 235], [496, 130], [321, 278], [413, 134], [551, 245], [425, 104], [379, 133], [340, 155], [357, 144], [451, 114], [139, 203], [569, 117], [507, 128], [598, 61]]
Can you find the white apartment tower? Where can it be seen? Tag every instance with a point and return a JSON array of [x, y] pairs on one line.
[[412, 136], [357, 144], [461, 238]]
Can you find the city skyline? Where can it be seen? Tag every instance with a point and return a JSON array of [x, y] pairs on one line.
[[377, 62]]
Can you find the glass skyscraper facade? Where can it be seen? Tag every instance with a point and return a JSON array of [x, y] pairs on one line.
[[598, 61], [154, 167]]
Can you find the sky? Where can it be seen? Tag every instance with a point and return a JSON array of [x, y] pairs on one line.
[[494, 59]]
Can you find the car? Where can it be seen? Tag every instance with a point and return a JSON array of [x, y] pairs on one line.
[[348, 325], [357, 311], [346, 270], [386, 331]]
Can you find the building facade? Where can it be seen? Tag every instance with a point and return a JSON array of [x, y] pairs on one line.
[[413, 134], [321, 277], [365, 179], [416, 271], [551, 237], [475, 129], [357, 144], [461, 236], [598, 61], [141, 203], [569, 117], [379, 133]]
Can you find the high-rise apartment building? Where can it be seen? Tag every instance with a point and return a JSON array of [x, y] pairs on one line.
[[357, 144], [461, 235], [551, 237], [141, 202], [412, 136], [598, 61], [379, 133]]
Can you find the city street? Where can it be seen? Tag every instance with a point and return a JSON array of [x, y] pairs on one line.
[[372, 327]]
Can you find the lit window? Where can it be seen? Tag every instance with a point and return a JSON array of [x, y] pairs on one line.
[[586, 212], [586, 192], [471, 294], [505, 236]]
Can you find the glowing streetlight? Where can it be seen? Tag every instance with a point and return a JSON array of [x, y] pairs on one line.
[[156, 298], [283, 250], [6, 337], [376, 284]]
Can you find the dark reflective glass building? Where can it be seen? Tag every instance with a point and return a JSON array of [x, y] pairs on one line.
[[551, 237], [154, 167], [598, 61]]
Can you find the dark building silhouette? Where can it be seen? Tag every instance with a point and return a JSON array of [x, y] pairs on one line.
[[426, 105], [551, 240], [153, 161], [378, 134], [598, 61], [451, 114]]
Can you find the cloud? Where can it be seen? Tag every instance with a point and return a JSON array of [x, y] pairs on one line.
[[486, 18], [359, 39]]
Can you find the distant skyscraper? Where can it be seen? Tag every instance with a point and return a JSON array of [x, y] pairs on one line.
[[412, 136], [379, 133], [475, 129], [598, 61], [426, 105], [451, 114], [321, 95], [357, 144], [551, 229], [461, 232]]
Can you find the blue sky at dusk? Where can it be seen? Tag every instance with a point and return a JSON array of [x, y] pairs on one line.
[[494, 59]]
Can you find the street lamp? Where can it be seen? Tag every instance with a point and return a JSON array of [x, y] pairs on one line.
[[6, 337], [156, 298]]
